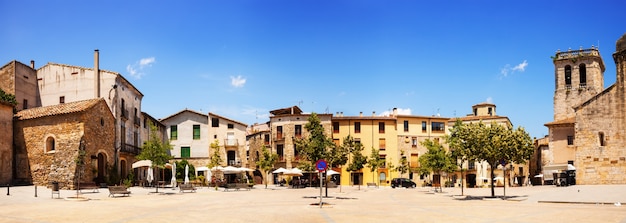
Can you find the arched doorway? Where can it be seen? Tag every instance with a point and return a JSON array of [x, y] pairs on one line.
[[102, 167]]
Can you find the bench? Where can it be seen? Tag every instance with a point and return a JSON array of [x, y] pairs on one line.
[[88, 186], [113, 190], [236, 186], [371, 184], [186, 187]]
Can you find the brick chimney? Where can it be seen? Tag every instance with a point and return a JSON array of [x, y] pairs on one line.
[[32, 64]]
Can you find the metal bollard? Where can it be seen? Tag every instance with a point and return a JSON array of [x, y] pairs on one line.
[[8, 189], [35, 190]]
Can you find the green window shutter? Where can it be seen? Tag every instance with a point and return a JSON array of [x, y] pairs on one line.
[[185, 152], [173, 132], [196, 131]]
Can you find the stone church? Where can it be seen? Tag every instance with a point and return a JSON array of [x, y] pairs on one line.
[[589, 127]]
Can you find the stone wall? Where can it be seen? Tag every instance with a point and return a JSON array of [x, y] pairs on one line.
[[601, 133], [6, 144], [93, 128]]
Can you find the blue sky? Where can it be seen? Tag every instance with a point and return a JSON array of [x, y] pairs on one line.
[[241, 59]]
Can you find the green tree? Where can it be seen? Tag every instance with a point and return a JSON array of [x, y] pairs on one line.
[[436, 159], [459, 148], [155, 150], [7, 98], [180, 169], [316, 146], [216, 158], [266, 162], [493, 144], [358, 160], [403, 165], [374, 162]]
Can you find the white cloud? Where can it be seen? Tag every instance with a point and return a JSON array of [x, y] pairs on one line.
[[507, 69], [137, 69], [237, 81], [401, 111], [490, 100]]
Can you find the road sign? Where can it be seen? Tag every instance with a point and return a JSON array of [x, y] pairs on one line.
[[321, 165]]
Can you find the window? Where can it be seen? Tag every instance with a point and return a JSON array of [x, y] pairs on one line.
[[136, 139], [196, 131], [489, 111], [185, 152], [568, 77], [381, 127], [424, 126], [279, 132], [383, 160], [357, 127], [582, 70], [357, 140], [414, 142], [50, 144], [382, 144], [335, 127], [62, 100], [25, 104], [438, 126], [231, 126], [267, 139], [601, 138], [471, 165], [570, 140], [298, 132], [336, 142], [215, 122], [406, 125], [173, 132]]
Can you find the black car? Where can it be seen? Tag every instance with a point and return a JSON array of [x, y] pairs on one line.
[[402, 182]]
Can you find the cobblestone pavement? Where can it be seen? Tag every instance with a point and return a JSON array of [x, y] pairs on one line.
[[580, 203]]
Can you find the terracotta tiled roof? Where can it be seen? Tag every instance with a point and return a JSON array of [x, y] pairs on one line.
[[284, 111], [566, 121], [477, 118], [67, 108]]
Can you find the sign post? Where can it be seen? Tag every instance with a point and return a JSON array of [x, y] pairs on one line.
[[321, 166]]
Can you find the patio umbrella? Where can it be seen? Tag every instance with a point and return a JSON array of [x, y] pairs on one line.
[[142, 163], [231, 170], [186, 174], [293, 172], [150, 176], [173, 181], [331, 172], [279, 170]]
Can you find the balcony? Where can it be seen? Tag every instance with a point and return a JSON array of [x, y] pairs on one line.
[[128, 148], [137, 121], [231, 142]]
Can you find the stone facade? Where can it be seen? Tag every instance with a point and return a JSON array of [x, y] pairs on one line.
[[6, 143], [601, 130], [48, 139], [590, 121], [231, 136], [20, 80]]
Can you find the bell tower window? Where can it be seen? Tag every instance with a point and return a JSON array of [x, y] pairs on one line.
[[568, 77], [582, 69]]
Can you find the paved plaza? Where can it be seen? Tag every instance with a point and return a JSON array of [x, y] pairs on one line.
[[580, 203]]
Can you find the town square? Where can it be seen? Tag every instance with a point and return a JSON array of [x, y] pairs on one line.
[[312, 111]]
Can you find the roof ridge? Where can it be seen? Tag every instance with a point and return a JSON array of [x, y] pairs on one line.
[[59, 109]]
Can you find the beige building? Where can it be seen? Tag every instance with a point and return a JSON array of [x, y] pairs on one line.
[[6, 143], [589, 121], [188, 133], [231, 136], [48, 140]]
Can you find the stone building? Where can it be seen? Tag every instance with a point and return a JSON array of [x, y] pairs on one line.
[[6, 143], [48, 140], [255, 140], [20, 80], [589, 120]]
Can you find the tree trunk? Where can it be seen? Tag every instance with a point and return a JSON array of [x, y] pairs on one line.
[[493, 192]]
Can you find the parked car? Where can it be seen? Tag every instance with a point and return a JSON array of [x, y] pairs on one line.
[[402, 182]]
